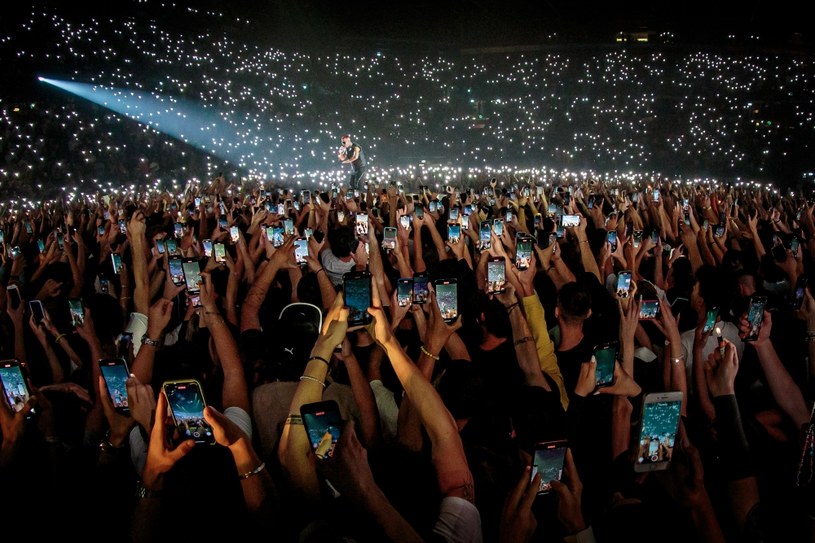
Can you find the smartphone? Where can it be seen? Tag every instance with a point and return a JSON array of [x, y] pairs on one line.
[[523, 253], [797, 298], [37, 310], [611, 239], [77, 311], [306, 196], [281, 209], [454, 214], [192, 275], [356, 286], [300, 250], [115, 372], [404, 291], [389, 238], [15, 386], [605, 355], [234, 233], [421, 291], [104, 285], [323, 424], [16, 252], [404, 220], [432, 206], [122, 226], [176, 270], [496, 275], [658, 426], [656, 195], [454, 233], [755, 315], [538, 221], [220, 252], [508, 217], [547, 459], [794, 245], [308, 232], [186, 401], [498, 227], [222, 222], [13, 294], [207, 245], [649, 310], [484, 236], [570, 221], [637, 238], [418, 210], [172, 246], [178, 230], [711, 317], [277, 236], [361, 225], [288, 227], [116, 260], [447, 298], [624, 284]]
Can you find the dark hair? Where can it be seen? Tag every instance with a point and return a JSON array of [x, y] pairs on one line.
[[574, 300], [341, 240], [711, 288], [494, 317]]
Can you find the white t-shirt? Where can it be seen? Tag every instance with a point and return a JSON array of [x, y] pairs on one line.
[[729, 332]]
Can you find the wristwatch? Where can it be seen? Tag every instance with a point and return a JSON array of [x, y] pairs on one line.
[[147, 341], [143, 492]]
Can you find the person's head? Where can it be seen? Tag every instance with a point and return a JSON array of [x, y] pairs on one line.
[[341, 240], [707, 289], [346, 140], [573, 304], [746, 283], [493, 318]]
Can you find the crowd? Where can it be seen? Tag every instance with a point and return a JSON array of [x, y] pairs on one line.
[[271, 111], [302, 395]]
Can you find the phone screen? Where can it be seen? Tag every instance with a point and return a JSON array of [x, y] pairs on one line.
[[420, 289], [649, 310], [389, 238], [123, 345], [357, 290], [116, 259], [220, 252], [186, 401], [570, 221], [178, 229], [176, 271], [606, 357], [77, 311], [623, 284], [14, 296], [192, 275], [323, 424], [36, 310], [172, 246], [755, 315], [454, 233], [404, 291], [711, 317], [523, 254], [15, 387], [498, 227], [548, 461], [234, 234], [405, 222], [484, 238], [300, 250], [658, 427], [277, 236], [288, 227], [656, 195], [361, 225], [496, 275], [637, 238], [800, 292], [207, 244], [115, 372], [447, 298]]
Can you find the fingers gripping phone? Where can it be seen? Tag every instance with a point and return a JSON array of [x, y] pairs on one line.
[[659, 424], [37, 310], [404, 291], [357, 291], [14, 384], [496, 275], [605, 356], [447, 298], [755, 316], [185, 399], [77, 311], [711, 317], [323, 423], [115, 373], [421, 290], [547, 460], [624, 284]]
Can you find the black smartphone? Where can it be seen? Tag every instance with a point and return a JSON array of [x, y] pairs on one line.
[[447, 298], [659, 424], [300, 250], [454, 233], [523, 253], [115, 372], [176, 270], [637, 238], [798, 296], [15, 386], [611, 238], [484, 235], [207, 245], [605, 355], [547, 459], [624, 284], [116, 262], [404, 291], [794, 245], [755, 316], [323, 423], [649, 310], [421, 291], [186, 401], [711, 317], [13, 294], [356, 286], [389, 238], [718, 230], [172, 246], [220, 252], [654, 236], [496, 275], [192, 275], [37, 310], [77, 311]]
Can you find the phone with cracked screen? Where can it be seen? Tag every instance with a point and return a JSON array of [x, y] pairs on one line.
[[547, 459], [15, 385], [186, 401], [659, 424], [115, 373]]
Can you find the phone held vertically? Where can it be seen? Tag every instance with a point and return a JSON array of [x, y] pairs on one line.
[[185, 399], [659, 424], [523, 253], [13, 293], [755, 316], [547, 459], [624, 284], [192, 275], [447, 298], [404, 291], [77, 311], [115, 372], [323, 424], [356, 287], [37, 310], [421, 290], [711, 318], [15, 386], [389, 238], [496, 275], [605, 356]]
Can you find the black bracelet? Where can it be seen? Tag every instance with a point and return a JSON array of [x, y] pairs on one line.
[[510, 307], [320, 358]]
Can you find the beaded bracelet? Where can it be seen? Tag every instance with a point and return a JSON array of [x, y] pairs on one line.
[[59, 337], [253, 472], [428, 353], [310, 378]]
